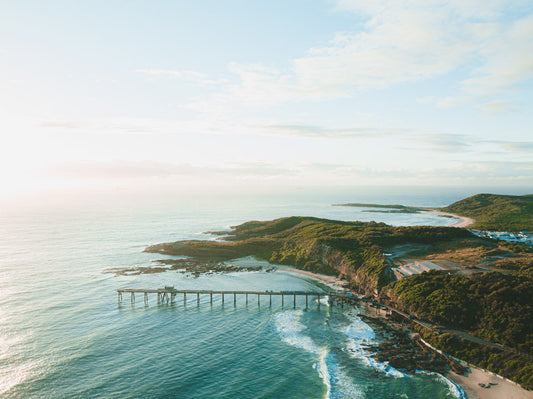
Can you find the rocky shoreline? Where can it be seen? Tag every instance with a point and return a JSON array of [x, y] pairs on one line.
[[194, 268], [403, 350]]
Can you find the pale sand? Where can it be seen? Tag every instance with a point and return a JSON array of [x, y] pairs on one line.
[[465, 222], [328, 279], [503, 389], [469, 383]]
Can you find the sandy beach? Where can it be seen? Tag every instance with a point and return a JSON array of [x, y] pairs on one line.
[[322, 277], [501, 389], [465, 222]]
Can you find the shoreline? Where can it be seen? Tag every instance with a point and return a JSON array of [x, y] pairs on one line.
[[464, 221], [470, 383], [337, 282], [499, 388]]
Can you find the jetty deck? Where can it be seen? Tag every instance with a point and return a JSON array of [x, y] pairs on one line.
[[167, 295]]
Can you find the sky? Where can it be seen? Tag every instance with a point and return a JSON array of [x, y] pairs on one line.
[[244, 95]]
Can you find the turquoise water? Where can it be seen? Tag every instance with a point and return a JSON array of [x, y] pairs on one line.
[[63, 333]]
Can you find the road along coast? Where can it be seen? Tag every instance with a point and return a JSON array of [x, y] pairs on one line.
[[477, 383]]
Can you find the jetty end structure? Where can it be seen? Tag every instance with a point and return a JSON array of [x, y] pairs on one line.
[[168, 295]]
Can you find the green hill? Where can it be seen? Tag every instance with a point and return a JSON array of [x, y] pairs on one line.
[[494, 305], [353, 249], [497, 212]]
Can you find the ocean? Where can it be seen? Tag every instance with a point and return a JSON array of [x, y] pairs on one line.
[[63, 333]]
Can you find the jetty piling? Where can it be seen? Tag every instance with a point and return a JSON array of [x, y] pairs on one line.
[[168, 295]]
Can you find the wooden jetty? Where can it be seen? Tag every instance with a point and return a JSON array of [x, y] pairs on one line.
[[168, 295]]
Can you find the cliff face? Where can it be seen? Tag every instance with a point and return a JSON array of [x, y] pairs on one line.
[[351, 249], [494, 306], [364, 268]]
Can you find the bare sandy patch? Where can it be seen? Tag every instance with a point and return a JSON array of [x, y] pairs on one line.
[[465, 221], [499, 388]]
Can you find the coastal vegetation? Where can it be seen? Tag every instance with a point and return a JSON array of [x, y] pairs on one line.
[[496, 212], [352, 249], [486, 294], [490, 305], [513, 366]]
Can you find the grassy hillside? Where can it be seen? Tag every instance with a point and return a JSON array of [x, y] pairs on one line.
[[493, 305], [497, 212], [353, 249], [490, 305]]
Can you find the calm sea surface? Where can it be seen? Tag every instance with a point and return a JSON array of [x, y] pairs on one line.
[[63, 334]]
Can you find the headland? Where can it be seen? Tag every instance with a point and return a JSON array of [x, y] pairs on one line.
[[476, 307]]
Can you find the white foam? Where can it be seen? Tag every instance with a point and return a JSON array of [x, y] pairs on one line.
[[455, 389], [345, 387], [360, 335], [289, 328], [324, 300]]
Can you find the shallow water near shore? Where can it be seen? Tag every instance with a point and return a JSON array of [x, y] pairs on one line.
[[63, 334]]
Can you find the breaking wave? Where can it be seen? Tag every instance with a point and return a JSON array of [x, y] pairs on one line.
[[360, 335]]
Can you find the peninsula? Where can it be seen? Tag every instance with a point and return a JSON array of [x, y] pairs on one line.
[[482, 211], [476, 305]]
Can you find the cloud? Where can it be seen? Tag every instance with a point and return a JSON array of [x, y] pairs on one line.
[[518, 146], [188, 76], [239, 176], [393, 42], [61, 124], [450, 143], [121, 169], [406, 40], [508, 59], [315, 131], [495, 107]]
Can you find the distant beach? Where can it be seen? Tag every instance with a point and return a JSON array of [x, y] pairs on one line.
[[465, 221], [338, 282], [399, 209]]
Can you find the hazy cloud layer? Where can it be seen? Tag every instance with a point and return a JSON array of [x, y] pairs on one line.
[[316, 173], [399, 138], [150, 169], [399, 41]]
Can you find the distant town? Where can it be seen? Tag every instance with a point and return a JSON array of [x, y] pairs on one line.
[[522, 237]]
